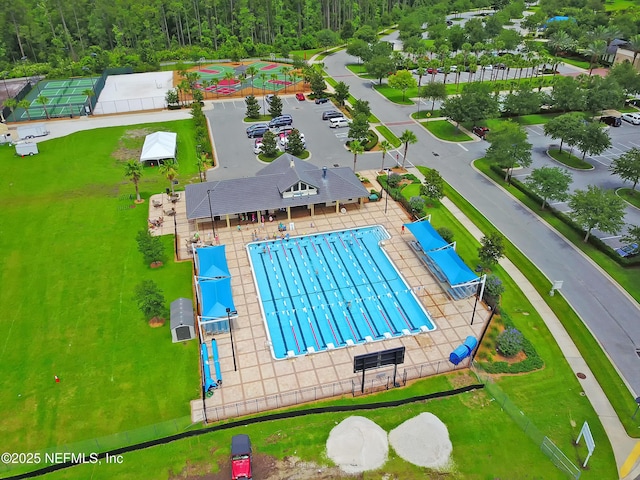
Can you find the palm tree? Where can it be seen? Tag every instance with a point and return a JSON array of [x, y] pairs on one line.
[[407, 137], [285, 71], [89, 93], [596, 49], [229, 77], [561, 42], [274, 77], [169, 171], [294, 75], [356, 148], [11, 104], [42, 100], [133, 171], [634, 45], [251, 72], [23, 104], [385, 147], [215, 82]]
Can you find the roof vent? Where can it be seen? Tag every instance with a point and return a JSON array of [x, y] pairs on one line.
[[291, 163], [324, 172]]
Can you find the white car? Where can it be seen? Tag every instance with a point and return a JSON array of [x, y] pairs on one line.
[[633, 118], [339, 122], [284, 139], [257, 146]]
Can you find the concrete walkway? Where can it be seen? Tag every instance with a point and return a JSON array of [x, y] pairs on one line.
[[621, 443]]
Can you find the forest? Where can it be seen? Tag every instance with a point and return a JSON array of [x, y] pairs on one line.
[[78, 37]]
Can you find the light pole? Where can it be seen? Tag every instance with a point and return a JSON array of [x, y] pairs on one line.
[[233, 350], [213, 225], [199, 161], [4, 77], [386, 197]]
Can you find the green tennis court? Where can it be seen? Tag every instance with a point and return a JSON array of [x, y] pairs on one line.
[[75, 82], [63, 111], [58, 92], [74, 99]]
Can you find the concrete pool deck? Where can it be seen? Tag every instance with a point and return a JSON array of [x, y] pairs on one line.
[[262, 383]]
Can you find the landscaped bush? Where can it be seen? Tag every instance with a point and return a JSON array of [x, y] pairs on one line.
[[446, 234], [493, 287], [394, 180], [372, 140], [509, 342]]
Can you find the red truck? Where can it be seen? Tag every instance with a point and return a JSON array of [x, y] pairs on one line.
[[241, 457]]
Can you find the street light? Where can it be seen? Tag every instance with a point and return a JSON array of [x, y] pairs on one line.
[[199, 161], [4, 77], [386, 197], [233, 350], [213, 225]]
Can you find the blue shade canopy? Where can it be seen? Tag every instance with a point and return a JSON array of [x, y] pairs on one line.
[[216, 298], [211, 262], [452, 266], [426, 235]]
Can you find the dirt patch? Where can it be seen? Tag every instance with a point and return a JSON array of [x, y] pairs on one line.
[[156, 322], [130, 144], [462, 379], [266, 468]]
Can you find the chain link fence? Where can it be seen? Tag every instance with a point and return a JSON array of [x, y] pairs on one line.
[[547, 447]]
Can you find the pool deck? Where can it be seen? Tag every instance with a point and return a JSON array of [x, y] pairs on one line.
[[262, 383]]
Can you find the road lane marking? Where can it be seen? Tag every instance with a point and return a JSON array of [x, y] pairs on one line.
[[463, 147]]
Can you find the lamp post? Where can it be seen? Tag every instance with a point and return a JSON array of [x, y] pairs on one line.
[[233, 350], [4, 78], [213, 225], [199, 161], [386, 197]]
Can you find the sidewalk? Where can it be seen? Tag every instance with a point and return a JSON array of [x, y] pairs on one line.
[[621, 443]]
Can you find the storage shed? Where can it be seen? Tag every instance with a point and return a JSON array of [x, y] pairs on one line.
[[182, 321]]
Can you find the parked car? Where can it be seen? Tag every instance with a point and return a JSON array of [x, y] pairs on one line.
[[480, 131], [269, 97], [500, 66], [628, 250], [241, 457], [611, 120], [284, 140], [633, 118], [300, 96], [321, 100], [331, 114], [449, 22], [488, 67], [432, 70], [257, 146], [280, 130], [252, 127], [258, 132], [453, 68], [339, 122], [281, 121]]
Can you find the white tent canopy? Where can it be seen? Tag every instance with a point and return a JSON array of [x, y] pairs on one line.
[[159, 146]]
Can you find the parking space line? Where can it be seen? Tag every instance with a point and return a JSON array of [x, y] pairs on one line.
[[601, 163], [611, 238], [463, 147]]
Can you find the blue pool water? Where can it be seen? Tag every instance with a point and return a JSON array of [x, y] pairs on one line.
[[330, 290]]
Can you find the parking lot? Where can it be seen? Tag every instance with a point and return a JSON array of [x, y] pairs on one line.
[[623, 139], [234, 150]]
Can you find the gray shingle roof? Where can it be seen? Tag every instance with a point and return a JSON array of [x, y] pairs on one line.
[[264, 191]]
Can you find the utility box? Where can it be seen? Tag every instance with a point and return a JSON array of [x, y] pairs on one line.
[[32, 131], [26, 148]]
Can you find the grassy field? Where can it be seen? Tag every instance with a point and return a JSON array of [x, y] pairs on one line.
[[444, 130], [618, 5], [68, 274]]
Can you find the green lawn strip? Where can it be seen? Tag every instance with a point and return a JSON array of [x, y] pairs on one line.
[[628, 109], [305, 53], [499, 85], [68, 276], [262, 118], [629, 279], [395, 95], [444, 130], [617, 5], [576, 62], [422, 114], [358, 69], [476, 426], [268, 159], [570, 160], [629, 196], [389, 136]]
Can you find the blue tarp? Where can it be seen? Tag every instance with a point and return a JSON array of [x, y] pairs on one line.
[[452, 266], [426, 235], [216, 298], [211, 262]]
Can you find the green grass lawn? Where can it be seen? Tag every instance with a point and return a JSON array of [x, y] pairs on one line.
[[261, 118], [576, 62], [422, 114], [570, 160], [68, 272], [389, 136], [617, 5], [485, 442], [628, 278], [358, 69], [396, 95], [444, 130], [630, 196]]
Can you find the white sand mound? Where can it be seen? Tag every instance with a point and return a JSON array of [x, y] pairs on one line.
[[357, 444], [423, 441]]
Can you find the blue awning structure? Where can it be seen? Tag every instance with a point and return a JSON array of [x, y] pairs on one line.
[[211, 262], [452, 266], [427, 236], [216, 297]]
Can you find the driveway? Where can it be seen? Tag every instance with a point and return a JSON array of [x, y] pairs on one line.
[[609, 312]]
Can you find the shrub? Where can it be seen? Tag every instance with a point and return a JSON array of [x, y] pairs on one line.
[[510, 342], [417, 205], [446, 234], [493, 287], [394, 180], [372, 141]]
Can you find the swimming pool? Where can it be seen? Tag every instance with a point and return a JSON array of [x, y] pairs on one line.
[[332, 290]]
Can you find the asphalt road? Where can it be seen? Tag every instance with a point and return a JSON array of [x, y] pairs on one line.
[[609, 312]]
